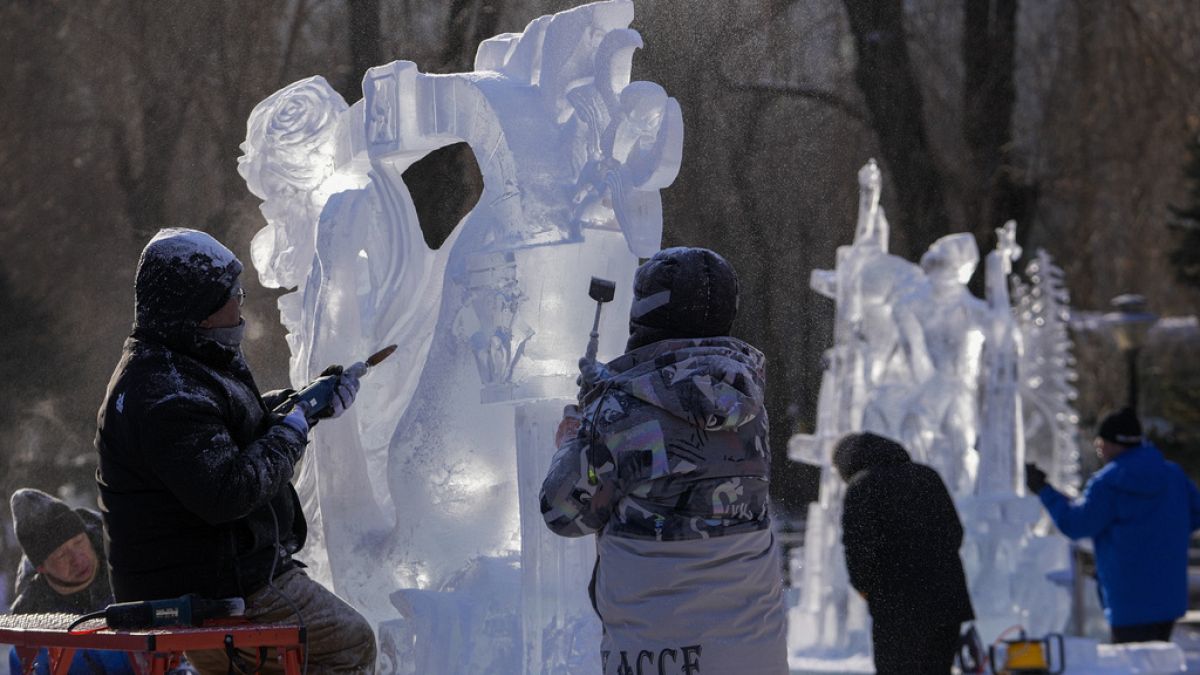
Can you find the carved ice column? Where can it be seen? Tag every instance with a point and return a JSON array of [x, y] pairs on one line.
[[830, 617], [527, 371], [1001, 437]]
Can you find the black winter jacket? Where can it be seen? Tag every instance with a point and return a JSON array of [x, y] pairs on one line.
[[901, 533], [194, 471], [35, 596]]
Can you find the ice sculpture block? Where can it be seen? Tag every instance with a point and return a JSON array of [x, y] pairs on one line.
[[920, 359], [423, 497]]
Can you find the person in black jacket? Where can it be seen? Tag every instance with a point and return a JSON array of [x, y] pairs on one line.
[[195, 469], [62, 570], [901, 534], [63, 567]]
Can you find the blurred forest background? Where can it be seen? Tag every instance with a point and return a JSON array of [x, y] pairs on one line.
[[1078, 118]]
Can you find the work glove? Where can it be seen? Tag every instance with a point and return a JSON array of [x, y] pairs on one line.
[[1035, 478], [591, 373], [297, 419], [345, 391], [569, 426]]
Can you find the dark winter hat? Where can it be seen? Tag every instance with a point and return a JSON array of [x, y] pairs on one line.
[[1121, 427], [682, 292], [43, 523], [182, 277], [863, 450]]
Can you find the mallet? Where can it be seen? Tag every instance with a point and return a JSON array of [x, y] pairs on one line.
[[602, 291]]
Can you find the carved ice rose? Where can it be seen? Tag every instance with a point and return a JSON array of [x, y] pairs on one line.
[[289, 140]]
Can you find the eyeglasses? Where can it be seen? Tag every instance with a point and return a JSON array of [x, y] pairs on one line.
[[241, 296]]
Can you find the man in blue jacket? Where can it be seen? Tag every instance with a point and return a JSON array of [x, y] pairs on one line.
[[1140, 511]]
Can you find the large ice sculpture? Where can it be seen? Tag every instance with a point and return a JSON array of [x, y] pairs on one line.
[[423, 499], [918, 358]]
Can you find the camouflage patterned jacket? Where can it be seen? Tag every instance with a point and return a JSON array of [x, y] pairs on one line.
[[674, 440], [671, 465]]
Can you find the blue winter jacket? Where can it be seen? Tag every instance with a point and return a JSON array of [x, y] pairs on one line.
[[1140, 510]]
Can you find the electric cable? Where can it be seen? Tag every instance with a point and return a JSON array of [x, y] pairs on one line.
[[272, 586], [84, 619]]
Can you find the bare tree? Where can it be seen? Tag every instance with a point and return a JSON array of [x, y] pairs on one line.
[[366, 47], [893, 97], [995, 191]]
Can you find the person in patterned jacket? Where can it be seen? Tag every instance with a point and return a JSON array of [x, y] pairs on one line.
[[668, 465]]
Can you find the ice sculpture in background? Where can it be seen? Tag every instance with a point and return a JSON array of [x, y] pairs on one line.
[[428, 491], [918, 358], [1043, 307]]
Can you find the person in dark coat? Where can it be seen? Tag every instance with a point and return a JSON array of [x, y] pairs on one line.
[[1140, 511], [62, 570], [194, 467], [901, 534]]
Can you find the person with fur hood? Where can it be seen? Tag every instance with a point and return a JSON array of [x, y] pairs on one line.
[[668, 465]]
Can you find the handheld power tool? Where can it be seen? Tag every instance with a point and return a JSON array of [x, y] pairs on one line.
[[318, 395], [187, 610], [1030, 656]]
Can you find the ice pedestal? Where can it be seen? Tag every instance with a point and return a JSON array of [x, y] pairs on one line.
[[559, 627], [470, 621], [1007, 566]]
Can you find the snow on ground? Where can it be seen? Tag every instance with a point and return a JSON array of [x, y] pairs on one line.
[[1083, 657]]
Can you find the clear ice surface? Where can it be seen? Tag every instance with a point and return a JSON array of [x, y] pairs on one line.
[[423, 498]]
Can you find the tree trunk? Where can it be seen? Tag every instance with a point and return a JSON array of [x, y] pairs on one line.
[[993, 192], [884, 74], [365, 46]]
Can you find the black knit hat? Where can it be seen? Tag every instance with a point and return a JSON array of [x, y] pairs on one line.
[[1121, 427], [682, 292], [43, 523], [183, 276]]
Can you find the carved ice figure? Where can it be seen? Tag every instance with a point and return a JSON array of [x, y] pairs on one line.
[[942, 328], [918, 358], [428, 487], [855, 390], [325, 212], [1001, 442]]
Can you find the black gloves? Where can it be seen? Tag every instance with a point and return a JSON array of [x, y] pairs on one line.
[[1035, 478]]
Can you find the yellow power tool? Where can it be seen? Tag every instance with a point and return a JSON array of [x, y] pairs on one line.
[[1029, 656]]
